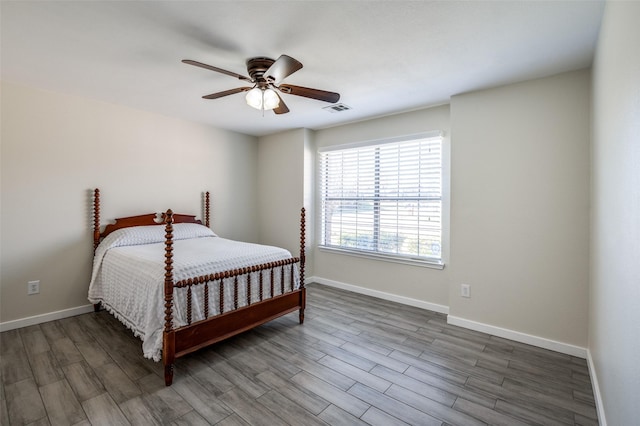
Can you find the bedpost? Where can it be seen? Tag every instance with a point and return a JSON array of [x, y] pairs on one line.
[[303, 294], [168, 346], [96, 218], [302, 245], [206, 209], [96, 230]]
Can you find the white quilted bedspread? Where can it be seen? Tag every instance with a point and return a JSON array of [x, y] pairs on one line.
[[128, 276]]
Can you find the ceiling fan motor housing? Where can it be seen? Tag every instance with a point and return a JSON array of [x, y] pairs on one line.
[[256, 67]]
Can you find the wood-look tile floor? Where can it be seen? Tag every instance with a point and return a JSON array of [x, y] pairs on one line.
[[356, 360]]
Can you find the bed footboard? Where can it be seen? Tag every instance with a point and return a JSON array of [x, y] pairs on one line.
[[243, 315]]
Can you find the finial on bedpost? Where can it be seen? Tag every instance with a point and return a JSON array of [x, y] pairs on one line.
[[206, 209], [302, 245], [96, 218]]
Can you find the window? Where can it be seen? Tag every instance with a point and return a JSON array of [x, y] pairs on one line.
[[384, 198]]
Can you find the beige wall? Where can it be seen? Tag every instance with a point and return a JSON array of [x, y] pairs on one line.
[[614, 315], [281, 188], [56, 148], [414, 282], [520, 207]]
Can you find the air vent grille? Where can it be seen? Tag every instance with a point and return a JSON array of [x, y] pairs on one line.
[[337, 108]]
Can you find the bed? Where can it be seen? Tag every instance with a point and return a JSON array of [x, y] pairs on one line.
[[179, 287]]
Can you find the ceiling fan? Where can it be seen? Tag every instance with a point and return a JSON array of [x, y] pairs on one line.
[[266, 75]]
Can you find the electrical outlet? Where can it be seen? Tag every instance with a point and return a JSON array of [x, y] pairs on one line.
[[33, 287], [465, 290]]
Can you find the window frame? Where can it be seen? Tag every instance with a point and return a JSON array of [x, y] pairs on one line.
[[425, 261]]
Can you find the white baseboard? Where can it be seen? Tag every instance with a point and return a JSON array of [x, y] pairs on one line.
[[38, 319], [380, 294], [517, 336], [596, 390]]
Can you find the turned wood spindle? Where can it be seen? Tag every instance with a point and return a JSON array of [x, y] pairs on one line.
[[189, 304], [248, 287], [261, 286], [302, 245], [221, 303], [235, 292], [96, 218], [206, 209], [206, 299], [271, 276], [168, 275]]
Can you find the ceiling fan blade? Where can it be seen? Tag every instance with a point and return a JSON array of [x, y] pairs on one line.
[[283, 67], [226, 93], [282, 107], [321, 95], [216, 69]]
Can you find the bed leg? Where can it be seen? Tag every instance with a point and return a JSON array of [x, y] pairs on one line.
[[168, 374], [303, 303], [96, 307]]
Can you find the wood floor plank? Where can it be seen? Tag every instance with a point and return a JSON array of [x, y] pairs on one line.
[[392, 406], [61, 404], [34, 340], [301, 396], [45, 368], [355, 373], [288, 410], [117, 383], [233, 420], [485, 414], [435, 409], [207, 405], [166, 405], [437, 382], [102, 410], [422, 388], [93, 354], [192, 418], [251, 387], [24, 404], [4, 412], [83, 380], [15, 367], [330, 393], [329, 375], [336, 416], [377, 417], [138, 413], [66, 352], [250, 410], [531, 414]]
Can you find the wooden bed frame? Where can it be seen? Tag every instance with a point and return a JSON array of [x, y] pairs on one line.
[[180, 341]]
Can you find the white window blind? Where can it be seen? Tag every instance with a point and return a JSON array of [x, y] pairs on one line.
[[384, 198]]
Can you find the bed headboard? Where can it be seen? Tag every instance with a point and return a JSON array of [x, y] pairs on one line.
[[141, 220]]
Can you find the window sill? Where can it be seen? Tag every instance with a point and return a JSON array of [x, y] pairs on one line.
[[433, 264]]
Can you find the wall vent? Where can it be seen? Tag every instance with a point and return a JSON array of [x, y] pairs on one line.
[[337, 108]]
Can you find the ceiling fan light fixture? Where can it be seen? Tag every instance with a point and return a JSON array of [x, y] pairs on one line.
[[263, 99], [270, 99], [254, 98]]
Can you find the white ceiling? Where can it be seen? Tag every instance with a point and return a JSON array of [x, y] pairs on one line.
[[383, 57]]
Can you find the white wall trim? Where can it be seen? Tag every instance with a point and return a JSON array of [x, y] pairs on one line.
[[380, 294], [596, 390], [517, 336], [39, 319]]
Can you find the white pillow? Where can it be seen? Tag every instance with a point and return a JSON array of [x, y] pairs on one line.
[[137, 235]]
